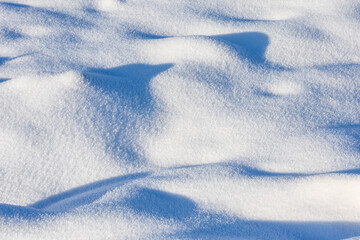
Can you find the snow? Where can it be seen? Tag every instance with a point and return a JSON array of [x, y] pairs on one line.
[[179, 119]]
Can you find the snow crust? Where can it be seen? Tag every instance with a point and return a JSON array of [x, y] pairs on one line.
[[124, 119]]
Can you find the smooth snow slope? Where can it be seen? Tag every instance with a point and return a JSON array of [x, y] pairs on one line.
[[162, 119]]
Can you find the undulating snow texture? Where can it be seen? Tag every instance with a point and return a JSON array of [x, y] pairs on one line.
[[186, 119]]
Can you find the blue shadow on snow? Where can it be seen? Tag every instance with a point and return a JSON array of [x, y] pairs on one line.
[[161, 204], [144, 35], [46, 14], [4, 80], [197, 223], [83, 195], [8, 211], [234, 19], [253, 44], [66, 201], [351, 130], [129, 81], [11, 34], [220, 227], [3, 60]]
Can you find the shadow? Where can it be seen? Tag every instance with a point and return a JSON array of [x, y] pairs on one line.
[[221, 17], [60, 18], [349, 171], [249, 171], [219, 227], [8, 211], [256, 172], [357, 12], [245, 170], [11, 34], [129, 102], [4, 80], [253, 44], [197, 224], [262, 93], [343, 67], [161, 204], [144, 36], [14, 5], [350, 130], [83, 195], [200, 224], [3, 60], [129, 81], [346, 126], [91, 11], [226, 18]]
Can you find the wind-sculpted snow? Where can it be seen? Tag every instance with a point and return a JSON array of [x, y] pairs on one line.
[[179, 119]]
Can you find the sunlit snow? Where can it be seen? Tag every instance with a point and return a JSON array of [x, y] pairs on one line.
[[164, 119]]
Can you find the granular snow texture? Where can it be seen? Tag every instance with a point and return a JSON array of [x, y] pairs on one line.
[[163, 119]]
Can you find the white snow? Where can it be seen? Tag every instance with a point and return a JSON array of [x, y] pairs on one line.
[[124, 119]]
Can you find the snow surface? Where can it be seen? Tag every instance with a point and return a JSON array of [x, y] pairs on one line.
[[162, 119]]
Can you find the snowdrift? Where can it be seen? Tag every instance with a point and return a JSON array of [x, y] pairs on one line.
[[179, 119]]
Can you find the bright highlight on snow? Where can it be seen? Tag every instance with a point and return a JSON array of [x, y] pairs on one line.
[[145, 119]]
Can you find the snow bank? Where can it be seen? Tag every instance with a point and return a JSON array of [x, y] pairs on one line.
[[186, 119]]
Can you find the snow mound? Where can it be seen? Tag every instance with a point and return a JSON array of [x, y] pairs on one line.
[[179, 119]]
